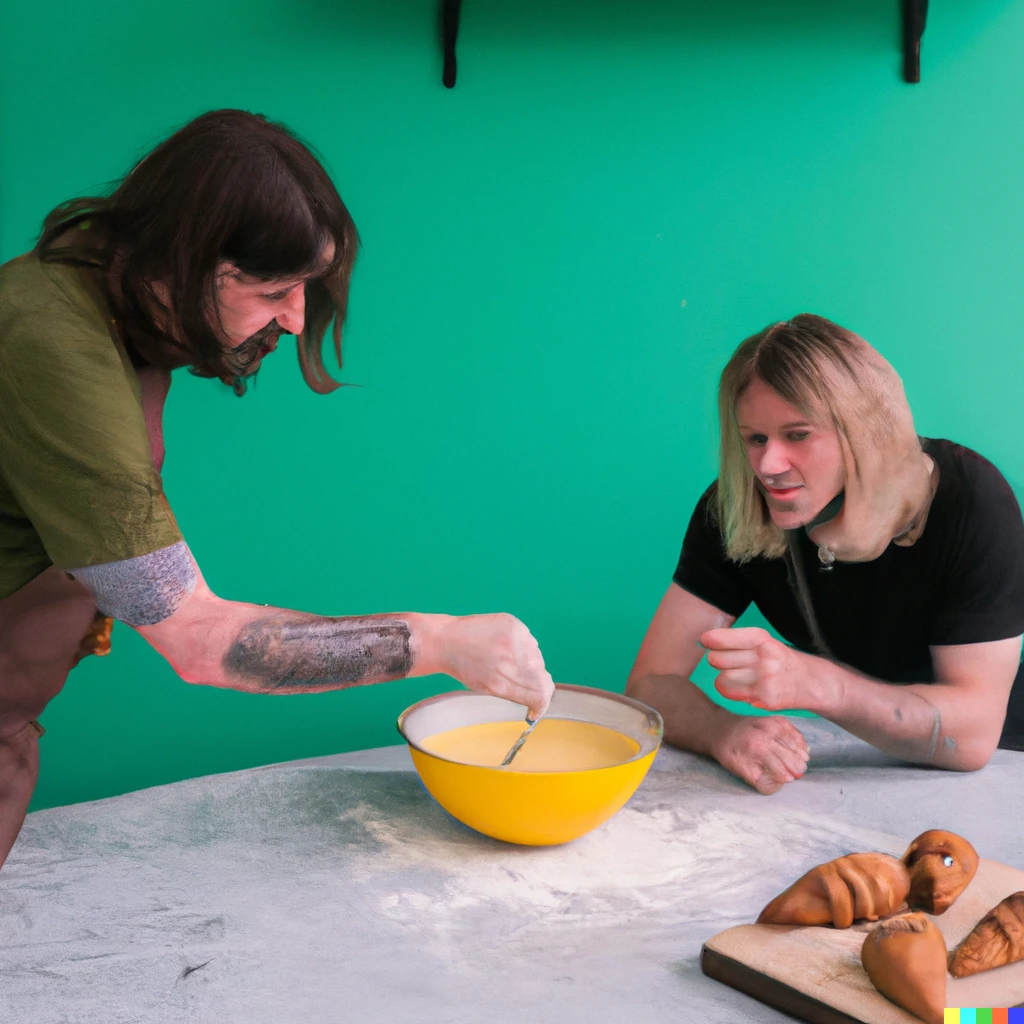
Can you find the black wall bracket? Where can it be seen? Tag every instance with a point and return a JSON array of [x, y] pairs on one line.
[[450, 10], [915, 14]]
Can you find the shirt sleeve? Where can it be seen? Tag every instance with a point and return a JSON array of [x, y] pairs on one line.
[[982, 598], [74, 451], [704, 569]]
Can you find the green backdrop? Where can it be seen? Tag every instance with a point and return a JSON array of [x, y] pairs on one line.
[[558, 257]]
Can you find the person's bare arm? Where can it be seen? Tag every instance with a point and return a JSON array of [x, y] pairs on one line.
[[261, 649], [764, 752], [952, 723]]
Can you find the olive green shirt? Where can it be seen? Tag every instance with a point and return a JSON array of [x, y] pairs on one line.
[[77, 482]]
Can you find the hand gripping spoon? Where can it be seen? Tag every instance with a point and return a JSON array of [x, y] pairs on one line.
[[519, 742]]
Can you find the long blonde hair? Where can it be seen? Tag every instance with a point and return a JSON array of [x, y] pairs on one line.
[[836, 378]]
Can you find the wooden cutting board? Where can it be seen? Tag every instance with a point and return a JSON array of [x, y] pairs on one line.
[[815, 973]]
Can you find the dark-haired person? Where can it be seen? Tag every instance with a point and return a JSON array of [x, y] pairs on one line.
[[226, 236], [892, 565]]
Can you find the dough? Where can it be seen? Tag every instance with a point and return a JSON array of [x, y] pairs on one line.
[[940, 865], [997, 939], [860, 885], [905, 958]]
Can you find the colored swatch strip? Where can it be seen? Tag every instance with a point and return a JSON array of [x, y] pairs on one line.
[[1014, 1015]]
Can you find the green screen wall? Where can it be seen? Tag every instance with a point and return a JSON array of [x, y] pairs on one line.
[[558, 257]]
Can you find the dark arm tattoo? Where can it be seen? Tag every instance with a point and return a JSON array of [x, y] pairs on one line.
[[288, 652]]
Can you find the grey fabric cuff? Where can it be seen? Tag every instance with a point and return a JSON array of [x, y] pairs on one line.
[[145, 590]]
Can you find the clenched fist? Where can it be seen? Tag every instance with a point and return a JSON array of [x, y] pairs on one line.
[[756, 668]]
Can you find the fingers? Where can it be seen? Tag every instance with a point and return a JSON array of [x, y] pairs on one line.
[[790, 759], [737, 684], [790, 736], [539, 704], [792, 762], [512, 664], [743, 638], [765, 772], [531, 687], [534, 694], [529, 672], [777, 768], [767, 782], [766, 753], [787, 743], [726, 659]]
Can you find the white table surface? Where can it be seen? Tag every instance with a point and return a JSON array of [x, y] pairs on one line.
[[336, 890]]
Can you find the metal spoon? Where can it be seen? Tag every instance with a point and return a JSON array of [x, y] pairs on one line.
[[519, 742]]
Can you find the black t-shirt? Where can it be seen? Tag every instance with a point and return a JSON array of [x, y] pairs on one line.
[[961, 583]]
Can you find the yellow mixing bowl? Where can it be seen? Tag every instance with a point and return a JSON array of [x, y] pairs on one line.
[[534, 808]]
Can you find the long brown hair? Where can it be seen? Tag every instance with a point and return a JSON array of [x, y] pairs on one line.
[[228, 186], [836, 378]]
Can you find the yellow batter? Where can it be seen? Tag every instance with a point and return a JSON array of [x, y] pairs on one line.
[[555, 745]]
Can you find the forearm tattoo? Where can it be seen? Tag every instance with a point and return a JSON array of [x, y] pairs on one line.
[[288, 652]]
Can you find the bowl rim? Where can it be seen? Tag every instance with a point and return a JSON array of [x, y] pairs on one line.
[[653, 716]]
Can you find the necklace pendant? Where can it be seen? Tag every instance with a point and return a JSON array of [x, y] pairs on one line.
[[827, 559]]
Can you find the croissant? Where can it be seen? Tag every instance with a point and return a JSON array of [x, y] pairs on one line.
[[859, 885], [997, 939], [905, 958], [940, 865]]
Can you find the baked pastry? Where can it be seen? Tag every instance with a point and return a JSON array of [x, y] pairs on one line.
[[905, 958], [859, 885], [940, 865], [997, 939]]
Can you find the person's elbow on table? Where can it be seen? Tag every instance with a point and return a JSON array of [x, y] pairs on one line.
[[970, 746], [970, 699], [975, 759]]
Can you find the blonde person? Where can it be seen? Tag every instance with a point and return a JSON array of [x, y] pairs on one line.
[[891, 565]]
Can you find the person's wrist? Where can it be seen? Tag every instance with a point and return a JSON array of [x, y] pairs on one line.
[[717, 731], [820, 686], [430, 636]]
